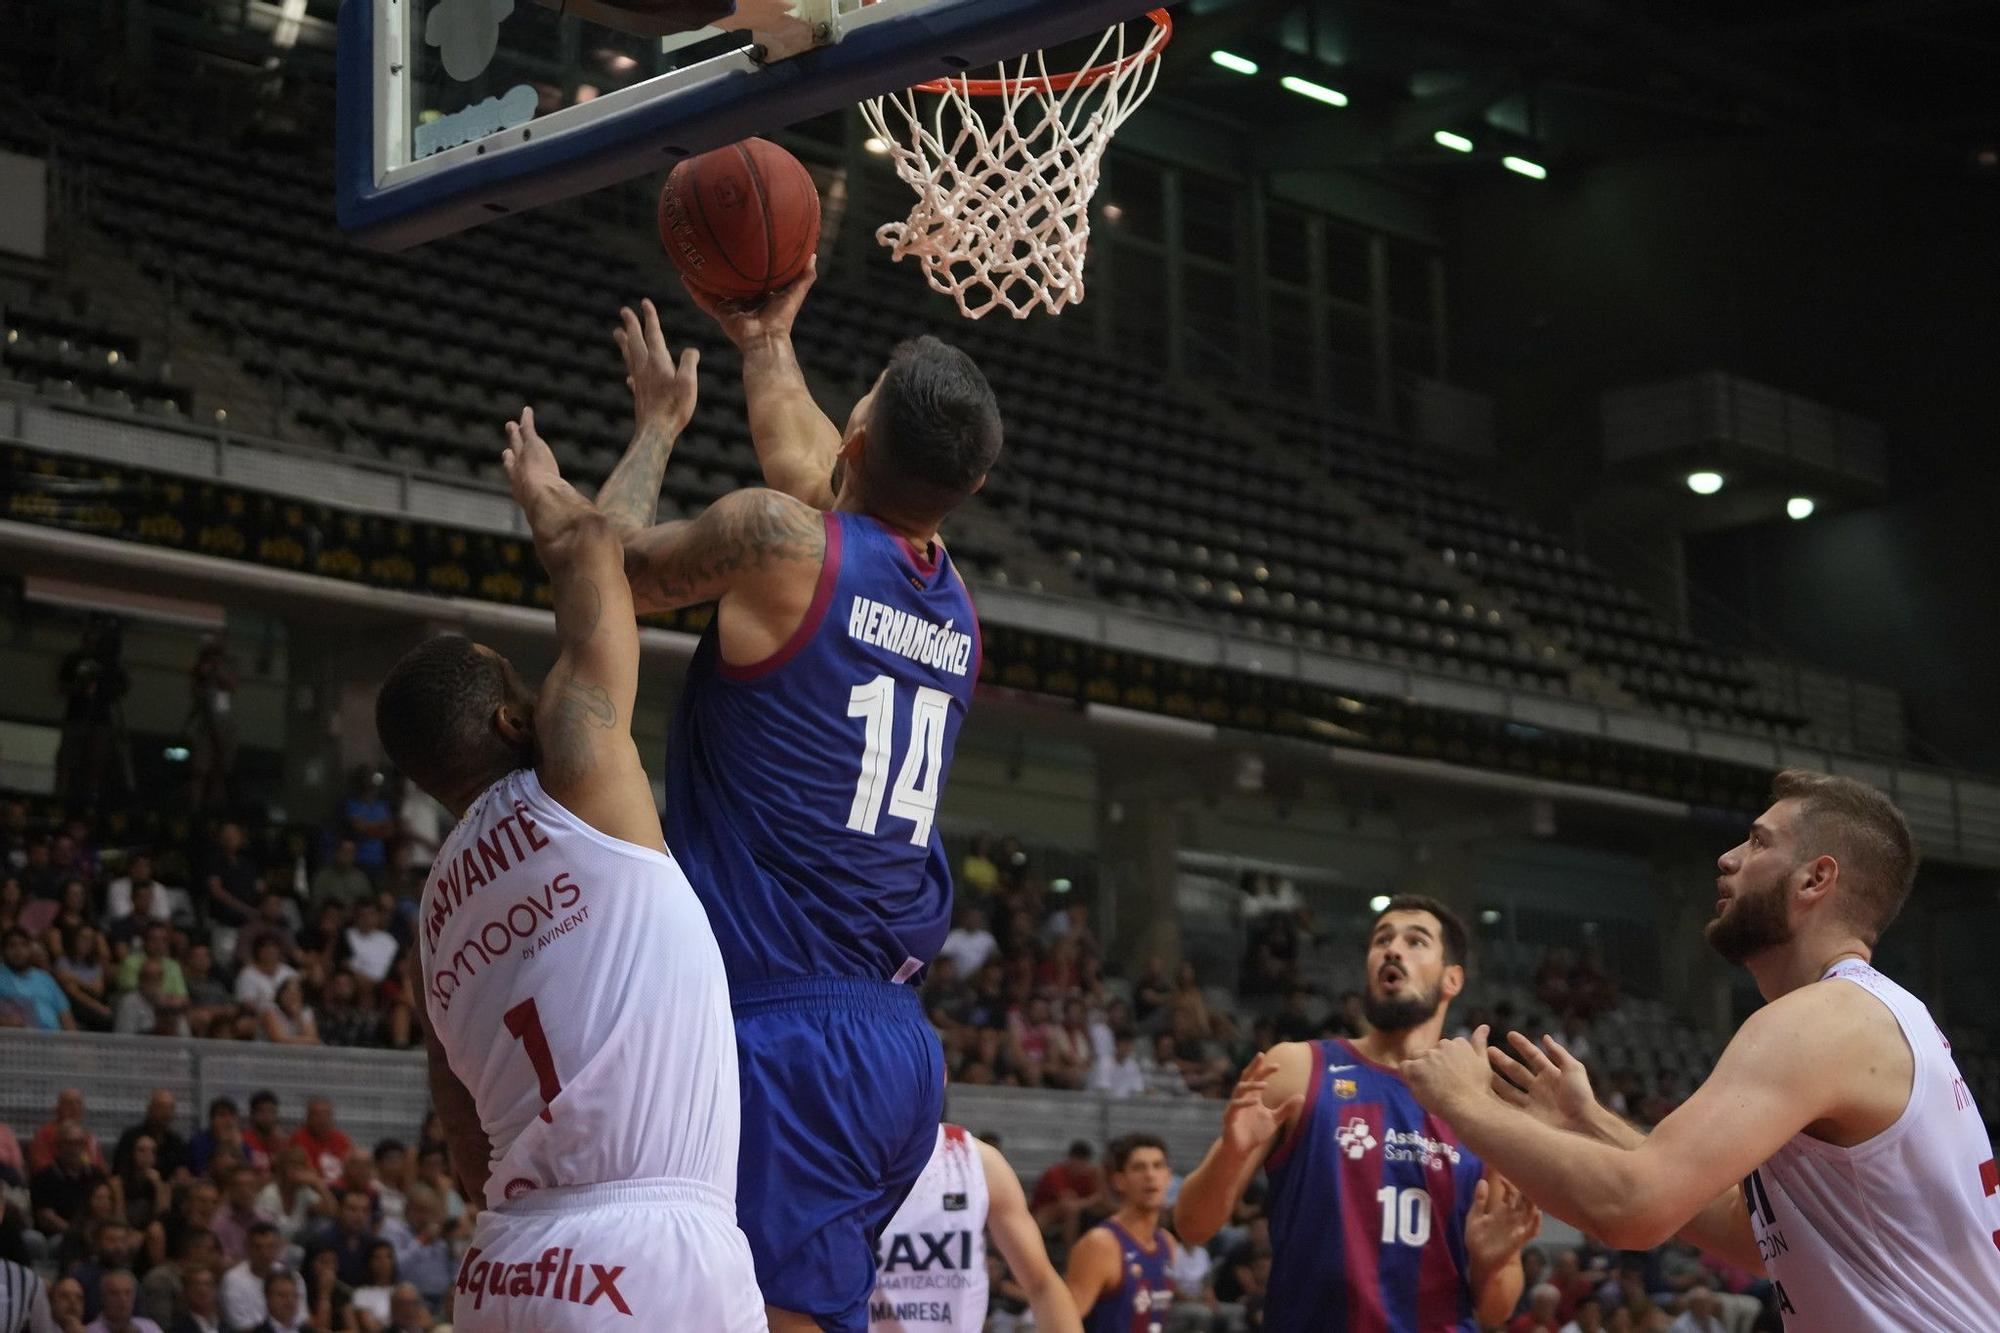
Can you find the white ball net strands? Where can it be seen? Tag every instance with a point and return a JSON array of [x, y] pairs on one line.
[[1002, 218]]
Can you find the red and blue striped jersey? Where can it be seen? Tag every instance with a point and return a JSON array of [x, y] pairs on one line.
[[802, 791], [1368, 1198], [1146, 1288]]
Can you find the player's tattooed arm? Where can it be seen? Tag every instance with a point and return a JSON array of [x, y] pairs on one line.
[[744, 537], [663, 401], [583, 716]]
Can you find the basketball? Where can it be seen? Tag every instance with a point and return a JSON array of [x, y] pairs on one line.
[[742, 221]]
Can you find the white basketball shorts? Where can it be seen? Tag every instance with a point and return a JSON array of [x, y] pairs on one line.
[[644, 1255]]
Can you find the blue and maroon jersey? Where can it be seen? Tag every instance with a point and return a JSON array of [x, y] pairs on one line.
[[802, 790], [1146, 1289], [1368, 1197]]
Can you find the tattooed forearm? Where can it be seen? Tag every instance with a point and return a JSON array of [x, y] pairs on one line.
[[630, 496], [568, 742], [579, 607], [683, 564]]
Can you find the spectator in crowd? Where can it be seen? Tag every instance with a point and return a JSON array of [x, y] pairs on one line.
[[147, 1010], [357, 1175], [284, 1304], [393, 1177], [119, 1313], [62, 1188], [371, 950], [342, 1018], [1590, 1318], [69, 1110], [1163, 1072], [90, 759], [365, 817], [272, 918], [223, 1131], [122, 895], [231, 879], [1152, 993], [324, 1143], [211, 724], [208, 999], [289, 1020], [257, 985], [73, 912], [407, 1313], [142, 1195], [1627, 1291], [81, 970], [1121, 1074], [169, 1148], [266, 1135], [201, 1303], [29, 988], [164, 1295], [240, 1213], [379, 1281], [80, 1242], [1702, 1315], [970, 943], [157, 943], [423, 1250], [340, 882], [1540, 1316], [422, 823], [243, 1285], [295, 1196], [194, 1209], [353, 1235], [329, 1301], [1069, 1195], [977, 870], [66, 1305], [1294, 1021], [434, 1170]]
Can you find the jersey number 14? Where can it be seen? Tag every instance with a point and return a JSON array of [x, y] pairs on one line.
[[921, 776]]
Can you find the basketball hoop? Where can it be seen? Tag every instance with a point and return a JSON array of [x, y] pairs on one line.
[[1002, 217]]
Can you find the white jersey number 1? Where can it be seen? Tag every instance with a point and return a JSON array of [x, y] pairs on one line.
[[915, 796]]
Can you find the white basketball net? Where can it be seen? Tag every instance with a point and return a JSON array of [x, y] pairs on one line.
[[1002, 217]]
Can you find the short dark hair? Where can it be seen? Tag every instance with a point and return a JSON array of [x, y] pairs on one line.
[[1457, 944], [936, 424], [1862, 829], [279, 1273], [1081, 1150], [224, 1104], [263, 1097], [433, 713], [189, 1238], [387, 1146], [1120, 1150], [260, 1229]]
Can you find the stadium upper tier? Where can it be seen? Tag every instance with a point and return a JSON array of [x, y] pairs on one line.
[[1261, 517]]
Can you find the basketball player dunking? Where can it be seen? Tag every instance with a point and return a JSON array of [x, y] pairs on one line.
[[576, 1008], [804, 767], [931, 1272], [1121, 1270], [1381, 1219], [1834, 1147]]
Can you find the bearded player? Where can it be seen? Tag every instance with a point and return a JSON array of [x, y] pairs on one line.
[[1382, 1221], [1835, 1146], [577, 1015], [804, 766], [1121, 1270], [931, 1272]]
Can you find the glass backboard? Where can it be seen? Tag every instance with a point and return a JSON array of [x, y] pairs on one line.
[[456, 112]]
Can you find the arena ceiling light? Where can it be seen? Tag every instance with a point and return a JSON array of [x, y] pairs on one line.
[[1318, 92], [1521, 166], [1704, 483], [875, 144], [1378, 903], [1799, 507], [1232, 62], [1458, 143]]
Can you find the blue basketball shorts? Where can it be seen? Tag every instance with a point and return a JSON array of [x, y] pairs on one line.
[[843, 1088]]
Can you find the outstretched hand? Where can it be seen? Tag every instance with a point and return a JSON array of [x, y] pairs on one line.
[[1449, 1072], [663, 390], [1247, 1123], [770, 319], [528, 461], [1501, 1221], [1546, 1081]]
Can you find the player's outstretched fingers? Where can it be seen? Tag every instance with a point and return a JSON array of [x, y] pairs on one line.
[[1559, 1055], [1482, 1196], [656, 341]]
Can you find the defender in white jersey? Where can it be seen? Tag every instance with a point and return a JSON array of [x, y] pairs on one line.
[[1834, 1148], [582, 1055], [930, 1271]]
